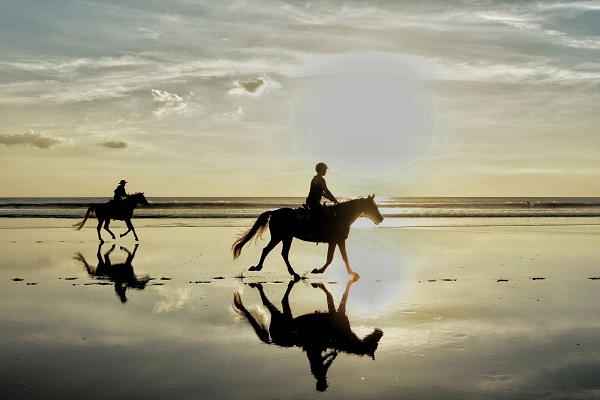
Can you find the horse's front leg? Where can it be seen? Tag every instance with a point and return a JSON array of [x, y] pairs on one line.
[[330, 251], [342, 246], [106, 224], [287, 243], [125, 234], [330, 302], [131, 229]]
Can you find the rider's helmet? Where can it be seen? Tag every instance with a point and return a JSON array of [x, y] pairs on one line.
[[321, 167]]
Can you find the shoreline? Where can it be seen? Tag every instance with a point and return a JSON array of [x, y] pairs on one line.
[[361, 223]]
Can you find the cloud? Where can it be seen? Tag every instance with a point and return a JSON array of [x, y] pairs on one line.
[[172, 103], [232, 116], [250, 86], [166, 97], [115, 144], [61, 66], [149, 33], [254, 86], [30, 138]]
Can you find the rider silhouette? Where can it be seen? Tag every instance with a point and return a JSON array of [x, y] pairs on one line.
[[120, 192], [318, 189]]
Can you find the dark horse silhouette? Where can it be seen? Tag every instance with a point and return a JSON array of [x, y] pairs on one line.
[[107, 211], [286, 223], [322, 335], [121, 275]]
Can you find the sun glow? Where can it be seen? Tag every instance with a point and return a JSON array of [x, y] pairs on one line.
[[366, 115]]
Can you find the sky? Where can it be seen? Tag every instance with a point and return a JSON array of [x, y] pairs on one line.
[[243, 98]]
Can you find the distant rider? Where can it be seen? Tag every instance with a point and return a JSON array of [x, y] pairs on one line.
[[120, 192]]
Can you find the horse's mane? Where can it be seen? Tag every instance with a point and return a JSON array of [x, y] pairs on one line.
[[343, 204], [134, 198]]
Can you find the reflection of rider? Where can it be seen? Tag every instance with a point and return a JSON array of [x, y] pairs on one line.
[[121, 274], [321, 335], [120, 192], [318, 189]]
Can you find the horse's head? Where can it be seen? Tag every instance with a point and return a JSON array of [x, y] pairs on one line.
[[371, 341], [371, 211], [139, 198]]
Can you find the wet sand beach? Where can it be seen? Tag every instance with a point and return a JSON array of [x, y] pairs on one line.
[[494, 312]]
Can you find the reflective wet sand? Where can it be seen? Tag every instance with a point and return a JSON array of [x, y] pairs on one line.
[[464, 313]]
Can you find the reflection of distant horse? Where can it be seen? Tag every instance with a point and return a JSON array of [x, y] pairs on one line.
[[111, 210], [320, 334], [121, 274], [285, 224]]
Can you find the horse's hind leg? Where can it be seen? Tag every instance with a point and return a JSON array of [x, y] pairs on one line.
[[272, 243], [330, 251], [287, 243], [98, 229], [106, 223]]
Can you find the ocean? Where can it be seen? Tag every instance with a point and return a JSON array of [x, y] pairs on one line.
[[397, 211]]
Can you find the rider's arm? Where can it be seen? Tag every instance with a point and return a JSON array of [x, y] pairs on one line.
[[326, 193]]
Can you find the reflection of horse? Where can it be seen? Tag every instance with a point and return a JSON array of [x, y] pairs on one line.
[[286, 223], [107, 211], [121, 274], [315, 333]]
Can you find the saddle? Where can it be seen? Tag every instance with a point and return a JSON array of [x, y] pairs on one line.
[[116, 207], [313, 224]]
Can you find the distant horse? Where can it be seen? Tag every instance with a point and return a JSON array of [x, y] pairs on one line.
[[107, 211], [286, 223], [322, 335]]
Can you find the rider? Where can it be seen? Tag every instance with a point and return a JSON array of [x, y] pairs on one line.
[[120, 192], [318, 189]]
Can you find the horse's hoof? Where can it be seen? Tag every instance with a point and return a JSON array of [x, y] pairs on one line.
[[355, 277], [296, 277], [317, 271], [254, 268]]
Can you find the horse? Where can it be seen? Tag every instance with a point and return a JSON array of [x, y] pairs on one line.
[[286, 223], [322, 335], [107, 211]]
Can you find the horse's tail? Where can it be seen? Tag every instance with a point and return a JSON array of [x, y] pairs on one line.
[[259, 327], [259, 227], [80, 225]]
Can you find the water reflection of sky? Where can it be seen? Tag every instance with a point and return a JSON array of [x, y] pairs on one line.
[[451, 330]]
